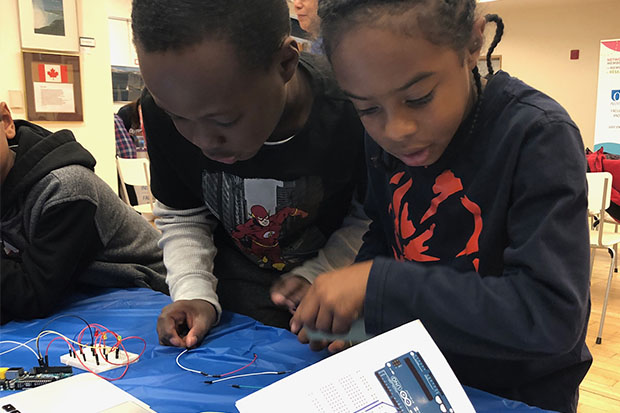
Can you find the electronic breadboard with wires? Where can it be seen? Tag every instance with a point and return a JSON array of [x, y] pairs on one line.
[[98, 359], [95, 348]]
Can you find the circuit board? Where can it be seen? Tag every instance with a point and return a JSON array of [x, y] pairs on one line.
[[15, 378], [411, 385]]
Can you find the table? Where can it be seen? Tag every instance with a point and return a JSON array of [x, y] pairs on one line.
[[158, 381]]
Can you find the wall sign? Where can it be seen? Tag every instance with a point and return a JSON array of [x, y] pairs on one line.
[[607, 128]]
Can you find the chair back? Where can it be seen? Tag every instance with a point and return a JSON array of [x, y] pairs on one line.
[[134, 172], [599, 198]]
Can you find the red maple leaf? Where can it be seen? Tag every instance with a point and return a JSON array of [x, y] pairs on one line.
[[52, 73]]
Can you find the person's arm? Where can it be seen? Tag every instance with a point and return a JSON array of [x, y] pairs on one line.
[[341, 247], [339, 251], [536, 307], [64, 242], [187, 243]]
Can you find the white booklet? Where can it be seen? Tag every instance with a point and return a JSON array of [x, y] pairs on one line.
[[401, 370]]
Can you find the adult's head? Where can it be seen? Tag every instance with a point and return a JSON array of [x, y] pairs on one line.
[[306, 11], [220, 68]]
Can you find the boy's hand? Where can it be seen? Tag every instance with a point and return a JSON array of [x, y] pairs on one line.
[[333, 301], [289, 290], [197, 316]]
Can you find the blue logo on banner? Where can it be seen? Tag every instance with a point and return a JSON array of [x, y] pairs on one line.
[[615, 95]]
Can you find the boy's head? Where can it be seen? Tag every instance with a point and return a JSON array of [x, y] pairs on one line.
[[407, 66], [307, 16], [220, 68], [7, 131]]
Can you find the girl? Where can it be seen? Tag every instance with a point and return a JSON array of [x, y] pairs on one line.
[[477, 193]]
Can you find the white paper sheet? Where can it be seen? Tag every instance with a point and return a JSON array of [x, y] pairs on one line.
[[351, 381], [54, 97]]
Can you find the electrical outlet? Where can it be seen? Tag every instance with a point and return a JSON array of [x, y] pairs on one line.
[[98, 363]]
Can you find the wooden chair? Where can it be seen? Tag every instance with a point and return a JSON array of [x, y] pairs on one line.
[[599, 198], [135, 172]]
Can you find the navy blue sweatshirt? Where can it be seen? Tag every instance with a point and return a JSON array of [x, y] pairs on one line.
[[489, 248]]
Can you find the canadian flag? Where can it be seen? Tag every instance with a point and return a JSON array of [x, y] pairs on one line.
[[53, 73]]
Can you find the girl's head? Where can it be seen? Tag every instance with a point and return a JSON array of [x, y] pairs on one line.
[[408, 67]]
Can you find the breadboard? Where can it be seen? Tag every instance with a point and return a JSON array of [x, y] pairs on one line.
[[98, 364]]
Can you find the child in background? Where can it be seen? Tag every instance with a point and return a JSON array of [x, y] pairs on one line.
[[249, 136], [477, 196], [61, 226]]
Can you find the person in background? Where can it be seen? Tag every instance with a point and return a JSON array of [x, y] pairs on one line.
[[255, 155], [306, 11], [132, 119], [61, 226], [125, 145], [478, 201]]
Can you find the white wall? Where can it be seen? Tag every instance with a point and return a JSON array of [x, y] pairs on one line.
[[96, 132], [537, 43]]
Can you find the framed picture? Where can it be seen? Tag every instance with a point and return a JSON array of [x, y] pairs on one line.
[[49, 25], [496, 61], [53, 90]]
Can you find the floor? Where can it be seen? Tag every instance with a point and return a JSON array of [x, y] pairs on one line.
[[600, 391]]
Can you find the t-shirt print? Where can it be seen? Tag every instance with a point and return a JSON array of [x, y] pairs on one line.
[[446, 228], [272, 222]]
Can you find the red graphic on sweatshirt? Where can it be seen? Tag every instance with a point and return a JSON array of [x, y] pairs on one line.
[[259, 235], [410, 244]]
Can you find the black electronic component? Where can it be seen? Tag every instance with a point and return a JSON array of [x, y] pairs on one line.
[[52, 370], [17, 379]]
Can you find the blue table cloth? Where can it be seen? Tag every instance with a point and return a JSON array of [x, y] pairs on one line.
[[158, 381]]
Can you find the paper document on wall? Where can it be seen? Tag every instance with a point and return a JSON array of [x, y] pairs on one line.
[[401, 370]]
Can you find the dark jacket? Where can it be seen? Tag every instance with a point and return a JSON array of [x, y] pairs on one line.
[[489, 248], [62, 226]]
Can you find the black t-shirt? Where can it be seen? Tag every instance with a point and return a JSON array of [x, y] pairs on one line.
[[280, 206]]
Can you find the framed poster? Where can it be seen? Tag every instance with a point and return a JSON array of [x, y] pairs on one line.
[[53, 90], [49, 25]]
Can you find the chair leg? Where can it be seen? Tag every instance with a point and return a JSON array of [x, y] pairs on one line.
[[612, 253], [592, 253], [616, 259]]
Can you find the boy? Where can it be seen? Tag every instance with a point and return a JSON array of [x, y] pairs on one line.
[[241, 135], [62, 226]]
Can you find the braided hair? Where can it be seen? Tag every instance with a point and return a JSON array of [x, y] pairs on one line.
[[499, 32], [443, 22]]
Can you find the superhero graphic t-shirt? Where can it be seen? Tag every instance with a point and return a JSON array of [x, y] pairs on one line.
[[272, 222]]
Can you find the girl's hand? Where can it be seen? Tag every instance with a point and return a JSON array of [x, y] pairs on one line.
[[334, 300]]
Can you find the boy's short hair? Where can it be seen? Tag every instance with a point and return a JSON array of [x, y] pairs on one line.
[[256, 27]]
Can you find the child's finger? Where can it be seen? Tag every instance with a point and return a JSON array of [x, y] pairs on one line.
[[168, 336], [338, 346], [305, 315], [341, 323], [324, 319]]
